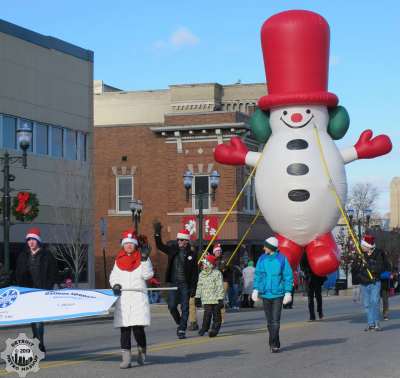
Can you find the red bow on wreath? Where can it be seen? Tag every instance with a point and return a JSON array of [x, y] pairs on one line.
[[23, 198]]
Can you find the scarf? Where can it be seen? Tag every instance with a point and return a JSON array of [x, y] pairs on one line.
[[128, 262]]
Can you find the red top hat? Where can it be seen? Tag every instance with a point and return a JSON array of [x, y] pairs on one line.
[[296, 58]]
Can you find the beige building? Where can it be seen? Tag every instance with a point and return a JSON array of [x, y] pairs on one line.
[[395, 203], [48, 83]]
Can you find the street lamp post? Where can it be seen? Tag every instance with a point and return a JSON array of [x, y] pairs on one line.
[[136, 207], [24, 139], [200, 195]]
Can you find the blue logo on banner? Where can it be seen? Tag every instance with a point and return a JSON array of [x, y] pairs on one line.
[[8, 298]]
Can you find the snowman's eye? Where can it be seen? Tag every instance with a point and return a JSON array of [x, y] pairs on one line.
[[308, 111], [284, 112]]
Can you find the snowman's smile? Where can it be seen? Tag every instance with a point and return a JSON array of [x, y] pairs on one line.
[[297, 126]]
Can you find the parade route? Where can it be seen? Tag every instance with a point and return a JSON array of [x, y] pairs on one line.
[[334, 347]]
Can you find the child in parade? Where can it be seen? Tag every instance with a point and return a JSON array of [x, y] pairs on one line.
[[210, 294], [131, 270], [273, 282]]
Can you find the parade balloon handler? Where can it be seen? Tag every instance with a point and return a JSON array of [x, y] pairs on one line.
[[300, 179], [314, 289], [368, 269], [210, 295], [182, 271], [273, 282], [36, 268], [131, 270]]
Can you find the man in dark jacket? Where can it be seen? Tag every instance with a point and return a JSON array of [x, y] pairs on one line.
[[367, 271], [314, 288], [36, 268], [182, 271]]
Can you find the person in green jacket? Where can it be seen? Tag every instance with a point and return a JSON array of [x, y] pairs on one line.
[[273, 282], [210, 294]]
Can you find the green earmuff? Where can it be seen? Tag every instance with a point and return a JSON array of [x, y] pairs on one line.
[[339, 122], [259, 125]]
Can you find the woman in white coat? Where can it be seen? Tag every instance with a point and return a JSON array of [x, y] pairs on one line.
[[131, 270]]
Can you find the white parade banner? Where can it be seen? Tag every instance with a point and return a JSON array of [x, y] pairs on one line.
[[21, 305]]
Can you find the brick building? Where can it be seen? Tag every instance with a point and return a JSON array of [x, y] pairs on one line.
[[146, 140]]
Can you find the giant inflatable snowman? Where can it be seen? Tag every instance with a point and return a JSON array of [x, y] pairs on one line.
[[292, 185]]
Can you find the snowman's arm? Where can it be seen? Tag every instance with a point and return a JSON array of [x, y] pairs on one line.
[[349, 154], [367, 147], [252, 158]]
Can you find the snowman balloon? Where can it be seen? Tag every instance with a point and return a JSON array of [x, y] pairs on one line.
[[296, 120]]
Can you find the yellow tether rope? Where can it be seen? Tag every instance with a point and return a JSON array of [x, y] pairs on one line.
[[338, 201], [244, 237]]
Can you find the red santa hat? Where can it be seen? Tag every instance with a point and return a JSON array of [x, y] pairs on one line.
[[211, 259], [217, 248], [295, 47], [33, 233], [368, 241], [129, 236], [183, 235]]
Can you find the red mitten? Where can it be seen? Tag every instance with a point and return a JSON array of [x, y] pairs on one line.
[[233, 153], [368, 147]]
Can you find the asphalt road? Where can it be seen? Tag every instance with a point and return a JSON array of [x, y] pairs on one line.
[[332, 348]]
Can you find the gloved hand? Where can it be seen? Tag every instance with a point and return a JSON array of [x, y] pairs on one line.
[[233, 153], [145, 251], [197, 302], [157, 226], [287, 298], [369, 148], [221, 304], [117, 290], [254, 295]]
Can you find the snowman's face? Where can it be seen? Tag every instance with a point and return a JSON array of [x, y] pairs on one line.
[[299, 117]]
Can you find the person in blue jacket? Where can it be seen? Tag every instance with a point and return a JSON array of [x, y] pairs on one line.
[[273, 282]]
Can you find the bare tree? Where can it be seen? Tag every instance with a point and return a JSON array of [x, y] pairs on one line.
[[362, 196], [72, 233]]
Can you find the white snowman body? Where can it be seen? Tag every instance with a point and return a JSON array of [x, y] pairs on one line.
[[292, 188]]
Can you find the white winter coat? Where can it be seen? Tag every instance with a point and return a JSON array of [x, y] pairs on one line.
[[248, 279], [132, 307]]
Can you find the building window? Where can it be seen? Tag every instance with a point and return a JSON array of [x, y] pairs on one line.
[[201, 185], [41, 139], [9, 132], [124, 192], [56, 142], [70, 146], [249, 197], [81, 146]]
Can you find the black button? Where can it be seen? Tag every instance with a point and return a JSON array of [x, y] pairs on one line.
[[299, 195], [297, 169], [297, 144]]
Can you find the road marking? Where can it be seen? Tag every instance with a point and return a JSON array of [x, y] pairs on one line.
[[192, 341]]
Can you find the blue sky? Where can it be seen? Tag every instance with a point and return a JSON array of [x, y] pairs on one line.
[[150, 45]]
